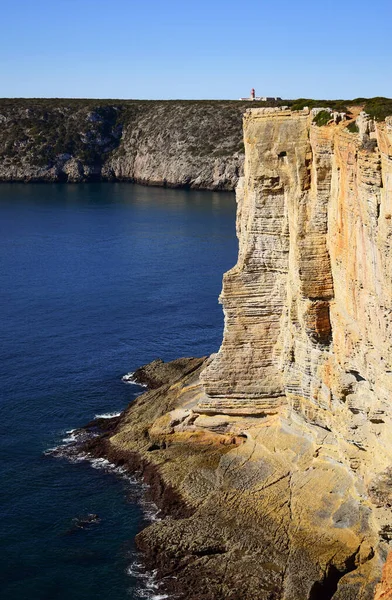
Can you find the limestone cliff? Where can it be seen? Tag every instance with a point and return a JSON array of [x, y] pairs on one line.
[[278, 449], [309, 303]]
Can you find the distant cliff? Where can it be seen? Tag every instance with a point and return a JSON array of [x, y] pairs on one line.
[[195, 144]]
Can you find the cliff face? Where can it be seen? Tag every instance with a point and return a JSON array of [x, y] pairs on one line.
[[279, 446], [308, 305], [174, 143]]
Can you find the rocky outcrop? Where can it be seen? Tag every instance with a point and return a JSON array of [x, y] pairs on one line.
[[158, 373], [195, 144], [277, 449]]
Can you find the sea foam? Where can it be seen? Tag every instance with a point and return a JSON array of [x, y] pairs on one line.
[[149, 588], [108, 415], [130, 378]]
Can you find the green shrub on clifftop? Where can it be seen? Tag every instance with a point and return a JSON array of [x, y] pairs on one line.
[[322, 118], [353, 127], [378, 108], [300, 103]]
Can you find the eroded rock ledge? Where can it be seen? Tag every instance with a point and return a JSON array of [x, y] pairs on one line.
[[277, 451]]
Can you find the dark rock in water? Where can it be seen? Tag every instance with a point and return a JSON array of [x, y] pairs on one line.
[[70, 449], [86, 520], [83, 522]]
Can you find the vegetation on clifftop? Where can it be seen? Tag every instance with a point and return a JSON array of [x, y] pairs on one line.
[[378, 108], [48, 129], [338, 105], [88, 129], [353, 127], [322, 118]]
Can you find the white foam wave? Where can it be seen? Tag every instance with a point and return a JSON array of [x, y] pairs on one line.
[[148, 596], [108, 415], [151, 511], [149, 586], [50, 451], [134, 569], [73, 437], [76, 458], [100, 463], [129, 378]]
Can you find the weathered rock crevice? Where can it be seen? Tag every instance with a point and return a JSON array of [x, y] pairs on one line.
[[327, 587]]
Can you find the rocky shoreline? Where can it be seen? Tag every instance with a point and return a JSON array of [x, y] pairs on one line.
[[222, 539], [158, 376]]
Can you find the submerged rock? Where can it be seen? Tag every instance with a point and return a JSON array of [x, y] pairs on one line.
[[86, 520]]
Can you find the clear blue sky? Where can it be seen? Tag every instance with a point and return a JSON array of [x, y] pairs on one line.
[[195, 49]]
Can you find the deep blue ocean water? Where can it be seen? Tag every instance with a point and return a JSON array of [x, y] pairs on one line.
[[95, 280]]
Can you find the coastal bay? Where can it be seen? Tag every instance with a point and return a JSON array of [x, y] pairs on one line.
[[97, 279]]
